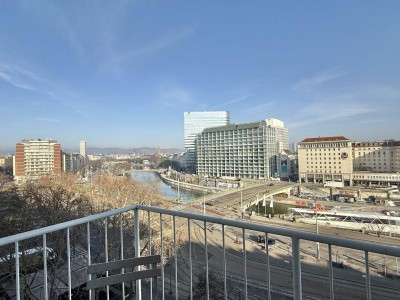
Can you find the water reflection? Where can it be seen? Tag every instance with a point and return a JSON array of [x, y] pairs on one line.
[[165, 189]]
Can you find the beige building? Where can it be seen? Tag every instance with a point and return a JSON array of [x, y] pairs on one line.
[[378, 156], [2, 161], [326, 160]]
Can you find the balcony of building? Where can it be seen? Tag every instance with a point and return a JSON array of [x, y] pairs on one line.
[[197, 257]]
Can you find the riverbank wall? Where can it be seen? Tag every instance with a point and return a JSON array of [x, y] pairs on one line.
[[188, 186]]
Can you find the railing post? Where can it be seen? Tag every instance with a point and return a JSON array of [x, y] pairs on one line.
[[244, 262], [149, 247], [224, 260], [46, 293], [190, 262], [121, 233], [17, 282], [332, 295], [175, 259], [69, 265], [89, 255], [268, 266], [367, 276], [106, 252], [162, 258], [297, 293], [206, 260], [137, 253]]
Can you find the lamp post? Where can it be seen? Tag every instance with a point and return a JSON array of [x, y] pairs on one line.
[[204, 202], [241, 196]]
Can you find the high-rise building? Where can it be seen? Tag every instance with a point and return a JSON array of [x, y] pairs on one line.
[[195, 123], [82, 149], [246, 150], [72, 162], [281, 134], [34, 158]]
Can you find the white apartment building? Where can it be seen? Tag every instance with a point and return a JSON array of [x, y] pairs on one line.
[[34, 158], [246, 150], [326, 160], [195, 123]]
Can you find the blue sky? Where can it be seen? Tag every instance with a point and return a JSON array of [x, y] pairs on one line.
[[122, 73]]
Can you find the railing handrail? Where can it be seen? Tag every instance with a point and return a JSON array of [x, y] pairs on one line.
[[302, 235], [52, 228], [326, 239]]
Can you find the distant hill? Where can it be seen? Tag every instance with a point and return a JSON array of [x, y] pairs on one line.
[[141, 150], [108, 151]]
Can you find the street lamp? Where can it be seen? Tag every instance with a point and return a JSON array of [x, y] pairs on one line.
[[204, 202], [241, 196]]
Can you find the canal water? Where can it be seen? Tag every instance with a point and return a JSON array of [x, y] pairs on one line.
[[166, 190]]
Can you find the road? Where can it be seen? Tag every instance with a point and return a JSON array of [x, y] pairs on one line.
[[349, 282], [315, 278]]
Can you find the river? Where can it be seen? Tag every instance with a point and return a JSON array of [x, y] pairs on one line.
[[166, 190]]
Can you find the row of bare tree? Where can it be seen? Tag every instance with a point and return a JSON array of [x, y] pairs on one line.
[[56, 199]]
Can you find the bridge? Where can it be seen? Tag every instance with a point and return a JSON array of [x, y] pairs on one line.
[[268, 194]]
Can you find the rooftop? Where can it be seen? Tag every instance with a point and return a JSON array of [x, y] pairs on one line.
[[325, 139]]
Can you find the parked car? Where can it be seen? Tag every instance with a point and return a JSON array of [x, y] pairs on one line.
[[261, 239]]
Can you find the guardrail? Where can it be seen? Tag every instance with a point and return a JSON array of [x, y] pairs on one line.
[[111, 221]]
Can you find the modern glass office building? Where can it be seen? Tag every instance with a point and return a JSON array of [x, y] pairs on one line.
[[195, 123], [246, 150]]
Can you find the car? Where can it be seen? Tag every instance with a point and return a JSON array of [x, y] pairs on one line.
[[261, 239]]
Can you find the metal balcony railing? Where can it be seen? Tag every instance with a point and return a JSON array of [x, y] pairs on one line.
[[51, 262]]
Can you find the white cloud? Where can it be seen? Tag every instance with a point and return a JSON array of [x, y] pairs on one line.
[[260, 109], [358, 104], [309, 84], [235, 100], [117, 58], [51, 120], [17, 82], [175, 96]]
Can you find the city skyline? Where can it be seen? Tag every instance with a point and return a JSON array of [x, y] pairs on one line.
[[122, 74]]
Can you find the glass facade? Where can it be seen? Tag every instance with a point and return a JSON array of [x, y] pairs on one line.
[[195, 123]]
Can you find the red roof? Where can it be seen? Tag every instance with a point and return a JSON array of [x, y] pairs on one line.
[[325, 139]]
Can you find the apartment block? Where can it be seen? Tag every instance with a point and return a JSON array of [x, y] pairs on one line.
[[247, 150], [34, 158]]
